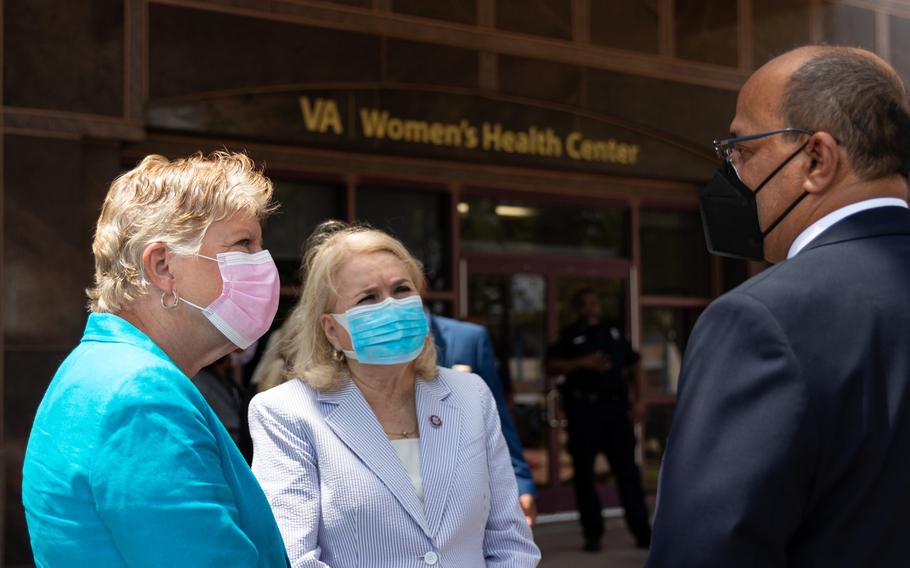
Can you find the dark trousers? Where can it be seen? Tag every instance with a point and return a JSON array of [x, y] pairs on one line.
[[600, 423]]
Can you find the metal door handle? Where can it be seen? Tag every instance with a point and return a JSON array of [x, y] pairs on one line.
[[553, 410]]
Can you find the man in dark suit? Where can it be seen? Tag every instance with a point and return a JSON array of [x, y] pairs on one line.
[[791, 440], [595, 396], [464, 344]]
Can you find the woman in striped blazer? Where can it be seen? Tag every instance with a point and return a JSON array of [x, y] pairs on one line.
[[374, 456]]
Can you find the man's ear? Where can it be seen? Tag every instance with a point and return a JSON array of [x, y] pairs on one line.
[[156, 265], [825, 163]]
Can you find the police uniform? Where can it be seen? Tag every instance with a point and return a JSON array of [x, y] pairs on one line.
[[596, 404]]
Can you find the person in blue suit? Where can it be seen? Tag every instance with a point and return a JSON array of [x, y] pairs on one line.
[[465, 343], [126, 464], [790, 445]]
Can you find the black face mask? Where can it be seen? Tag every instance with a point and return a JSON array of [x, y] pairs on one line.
[[729, 213]]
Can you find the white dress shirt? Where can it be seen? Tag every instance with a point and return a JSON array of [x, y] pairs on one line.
[[408, 451], [818, 227]]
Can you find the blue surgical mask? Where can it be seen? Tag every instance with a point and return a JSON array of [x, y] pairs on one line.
[[388, 333]]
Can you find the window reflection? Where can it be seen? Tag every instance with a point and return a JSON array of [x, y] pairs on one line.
[[420, 219], [439, 307], [674, 258], [664, 335], [523, 226], [665, 332], [528, 341], [303, 206], [513, 308]]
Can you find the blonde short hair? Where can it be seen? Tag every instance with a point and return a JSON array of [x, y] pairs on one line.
[[170, 202], [307, 349]]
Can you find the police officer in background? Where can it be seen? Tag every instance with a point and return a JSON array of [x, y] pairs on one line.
[[592, 355]]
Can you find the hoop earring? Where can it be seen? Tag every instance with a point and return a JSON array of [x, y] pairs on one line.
[[165, 304], [338, 355]]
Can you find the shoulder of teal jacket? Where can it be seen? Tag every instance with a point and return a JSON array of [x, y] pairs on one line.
[[111, 328], [100, 388], [102, 377], [111, 370]]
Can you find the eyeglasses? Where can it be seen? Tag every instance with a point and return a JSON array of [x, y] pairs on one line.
[[728, 151]]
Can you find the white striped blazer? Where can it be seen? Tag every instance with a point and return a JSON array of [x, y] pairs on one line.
[[342, 497]]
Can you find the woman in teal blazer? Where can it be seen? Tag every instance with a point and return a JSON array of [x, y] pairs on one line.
[[126, 463]]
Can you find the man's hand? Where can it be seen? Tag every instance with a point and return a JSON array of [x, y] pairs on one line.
[[596, 361], [528, 507]]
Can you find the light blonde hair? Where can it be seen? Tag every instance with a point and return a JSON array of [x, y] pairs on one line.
[[170, 202], [308, 351], [272, 369]]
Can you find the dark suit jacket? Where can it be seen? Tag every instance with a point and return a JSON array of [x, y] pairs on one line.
[[791, 440], [463, 343]]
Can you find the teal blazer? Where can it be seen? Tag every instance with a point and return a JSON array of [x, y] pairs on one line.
[[127, 465]]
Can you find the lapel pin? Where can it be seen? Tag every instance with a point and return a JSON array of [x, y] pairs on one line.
[[435, 421]]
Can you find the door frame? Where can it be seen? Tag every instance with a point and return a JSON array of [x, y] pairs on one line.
[[555, 497]]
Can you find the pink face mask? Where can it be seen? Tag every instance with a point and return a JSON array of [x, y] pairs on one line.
[[249, 296]]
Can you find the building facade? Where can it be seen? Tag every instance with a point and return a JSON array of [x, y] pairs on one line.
[[523, 149]]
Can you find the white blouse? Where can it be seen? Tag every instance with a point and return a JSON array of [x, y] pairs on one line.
[[408, 450]]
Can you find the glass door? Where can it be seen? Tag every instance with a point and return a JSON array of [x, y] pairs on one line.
[[524, 302], [513, 307]]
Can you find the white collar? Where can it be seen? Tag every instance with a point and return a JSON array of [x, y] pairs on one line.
[[818, 227]]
